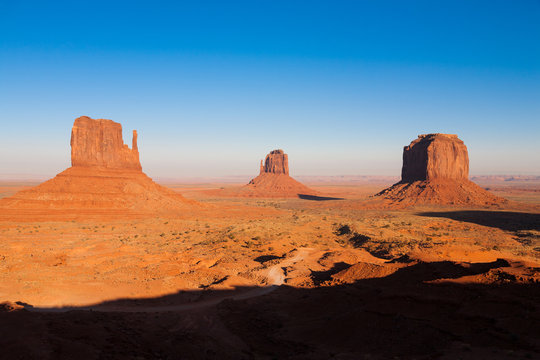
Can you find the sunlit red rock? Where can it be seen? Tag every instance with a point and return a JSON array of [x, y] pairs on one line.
[[435, 156], [105, 178], [277, 162], [98, 142], [274, 180], [436, 171]]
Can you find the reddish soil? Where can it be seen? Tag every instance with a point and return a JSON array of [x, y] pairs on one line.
[[242, 278], [100, 262]]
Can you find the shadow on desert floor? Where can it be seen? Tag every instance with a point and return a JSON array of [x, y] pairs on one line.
[[318, 198], [504, 220], [416, 312]]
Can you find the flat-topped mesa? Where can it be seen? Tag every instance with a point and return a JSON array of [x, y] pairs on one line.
[[435, 157], [436, 171], [277, 162], [99, 143]]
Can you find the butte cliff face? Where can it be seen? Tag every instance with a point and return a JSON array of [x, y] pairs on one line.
[[277, 162], [436, 171], [274, 180], [435, 156], [105, 178], [99, 143]]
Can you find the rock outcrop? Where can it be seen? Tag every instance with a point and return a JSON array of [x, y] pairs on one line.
[[105, 178], [435, 156], [274, 180], [277, 162], [99, 143], [436, 171]]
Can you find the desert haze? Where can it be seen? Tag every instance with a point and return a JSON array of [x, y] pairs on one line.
[[102, 262]]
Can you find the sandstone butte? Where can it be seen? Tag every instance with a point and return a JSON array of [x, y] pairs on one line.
[[274, 180], [105, 178], [436, 171]]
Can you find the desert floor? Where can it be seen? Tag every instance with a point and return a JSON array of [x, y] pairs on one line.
[[242, 278]]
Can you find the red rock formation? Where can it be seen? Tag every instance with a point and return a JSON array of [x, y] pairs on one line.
[[99, 143], [435, 156], [436, 171], [105, 178], [277, 162], [274, 180]]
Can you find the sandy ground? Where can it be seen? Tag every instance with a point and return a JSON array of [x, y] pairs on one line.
[[276, 278]]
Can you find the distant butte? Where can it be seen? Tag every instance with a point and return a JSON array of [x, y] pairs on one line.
[[105, 178], [277, 162], [274, 180], [436, 171]]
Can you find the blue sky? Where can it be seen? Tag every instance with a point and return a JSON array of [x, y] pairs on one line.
[[212, 86]]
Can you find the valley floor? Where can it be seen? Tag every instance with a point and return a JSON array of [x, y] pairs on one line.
[[275, 278]]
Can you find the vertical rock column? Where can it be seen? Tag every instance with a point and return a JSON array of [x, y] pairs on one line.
[[434, 157], [277, 162], [98, 142]]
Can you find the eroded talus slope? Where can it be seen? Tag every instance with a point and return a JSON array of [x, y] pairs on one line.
[[274, 180]]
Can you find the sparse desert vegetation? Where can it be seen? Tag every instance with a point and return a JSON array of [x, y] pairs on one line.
[[153, 264], [346, 180]]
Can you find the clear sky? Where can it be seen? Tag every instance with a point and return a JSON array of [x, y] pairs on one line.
[[212, 86]]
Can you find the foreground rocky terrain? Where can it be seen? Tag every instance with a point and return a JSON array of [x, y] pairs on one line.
[[275, 278], [102, 262]]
